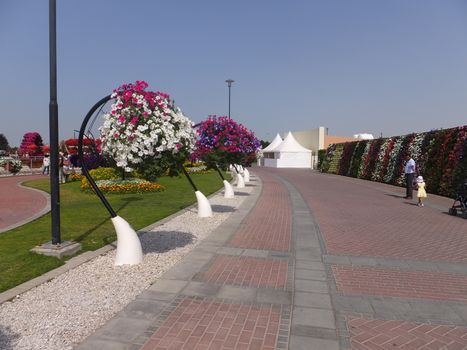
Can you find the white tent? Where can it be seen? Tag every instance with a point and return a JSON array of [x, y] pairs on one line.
[[364, 136], [276, 142], [288, 154]]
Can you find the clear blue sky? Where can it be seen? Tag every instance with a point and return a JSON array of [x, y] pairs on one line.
[[353, 66]]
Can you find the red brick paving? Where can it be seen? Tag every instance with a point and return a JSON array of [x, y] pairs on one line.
[[18, 203], [400, 283], [357, 218], [247, 271], [211, 325], [360, 218], [269, 225], [366, 334], [203, 324]]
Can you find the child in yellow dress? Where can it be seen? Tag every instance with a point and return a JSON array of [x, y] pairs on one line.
[[421, 194]]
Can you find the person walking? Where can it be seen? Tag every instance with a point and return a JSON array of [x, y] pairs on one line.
[[66, 167], [409, 170], [46, 165], [60, 168], [421, 193]]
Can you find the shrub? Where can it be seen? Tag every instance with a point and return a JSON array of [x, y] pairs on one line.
[[321, 158], [15, 166]]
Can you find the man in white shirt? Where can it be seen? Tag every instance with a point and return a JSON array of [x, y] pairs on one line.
[[46, 165], [409, 170]]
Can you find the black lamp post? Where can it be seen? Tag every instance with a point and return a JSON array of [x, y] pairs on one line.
[[229, 84], [53, 127]]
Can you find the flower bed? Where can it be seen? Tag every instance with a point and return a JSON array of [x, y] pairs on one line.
[[198, 169], [125, 186]]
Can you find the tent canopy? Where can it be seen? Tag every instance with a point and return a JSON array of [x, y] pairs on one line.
[[276, 142], [290, 145], [288, 154]]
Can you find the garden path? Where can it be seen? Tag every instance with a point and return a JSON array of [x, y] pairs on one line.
[[18, 204], [322, 262]]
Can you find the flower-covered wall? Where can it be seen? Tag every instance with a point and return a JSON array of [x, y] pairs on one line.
[[441, 157]]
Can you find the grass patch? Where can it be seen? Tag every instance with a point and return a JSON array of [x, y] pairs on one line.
[[85, 220]]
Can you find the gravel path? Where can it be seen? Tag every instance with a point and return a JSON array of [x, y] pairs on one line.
[[63, 312]]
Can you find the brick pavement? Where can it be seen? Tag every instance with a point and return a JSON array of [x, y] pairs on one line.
[[239, 288], [268, 227], [398, 273], [197, 323], [213, 324], [248, 272], [363, 269], [19, 205], [370, 334], [400, 283]]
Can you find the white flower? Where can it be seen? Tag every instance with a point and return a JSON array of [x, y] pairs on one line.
[[152, 134]]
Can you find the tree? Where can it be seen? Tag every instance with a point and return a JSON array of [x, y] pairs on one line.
[[31, 144], [4, 146]]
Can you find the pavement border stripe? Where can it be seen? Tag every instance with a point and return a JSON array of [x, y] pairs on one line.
[[298, 203]]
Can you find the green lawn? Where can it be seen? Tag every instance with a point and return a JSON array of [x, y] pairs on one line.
[[84, 219]]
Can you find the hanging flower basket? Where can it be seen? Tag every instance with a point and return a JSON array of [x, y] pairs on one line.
[[142, 126], [222, 141]]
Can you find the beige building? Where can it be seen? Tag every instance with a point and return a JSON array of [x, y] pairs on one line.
[[316, 139]]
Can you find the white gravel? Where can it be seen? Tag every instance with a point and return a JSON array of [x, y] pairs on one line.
[[61, 313]]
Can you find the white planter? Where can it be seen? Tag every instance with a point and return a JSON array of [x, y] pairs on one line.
[[240, 181], [246, 175], [204, 207], [228, 190], [129, 251]]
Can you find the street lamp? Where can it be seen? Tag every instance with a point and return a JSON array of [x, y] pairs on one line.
[[53, 128], [229, 84]]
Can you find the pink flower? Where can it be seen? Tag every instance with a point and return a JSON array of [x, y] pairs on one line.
[[134, 120]]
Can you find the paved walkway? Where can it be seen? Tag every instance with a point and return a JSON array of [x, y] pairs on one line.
[[18, 204], [310, 261]]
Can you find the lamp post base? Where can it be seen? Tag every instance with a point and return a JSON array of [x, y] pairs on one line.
[[58, 250]]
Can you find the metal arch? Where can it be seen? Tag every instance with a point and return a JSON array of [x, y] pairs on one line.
[[81, 156]]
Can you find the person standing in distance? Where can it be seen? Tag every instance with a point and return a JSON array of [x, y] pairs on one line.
[[46, 165], [409, 170]]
